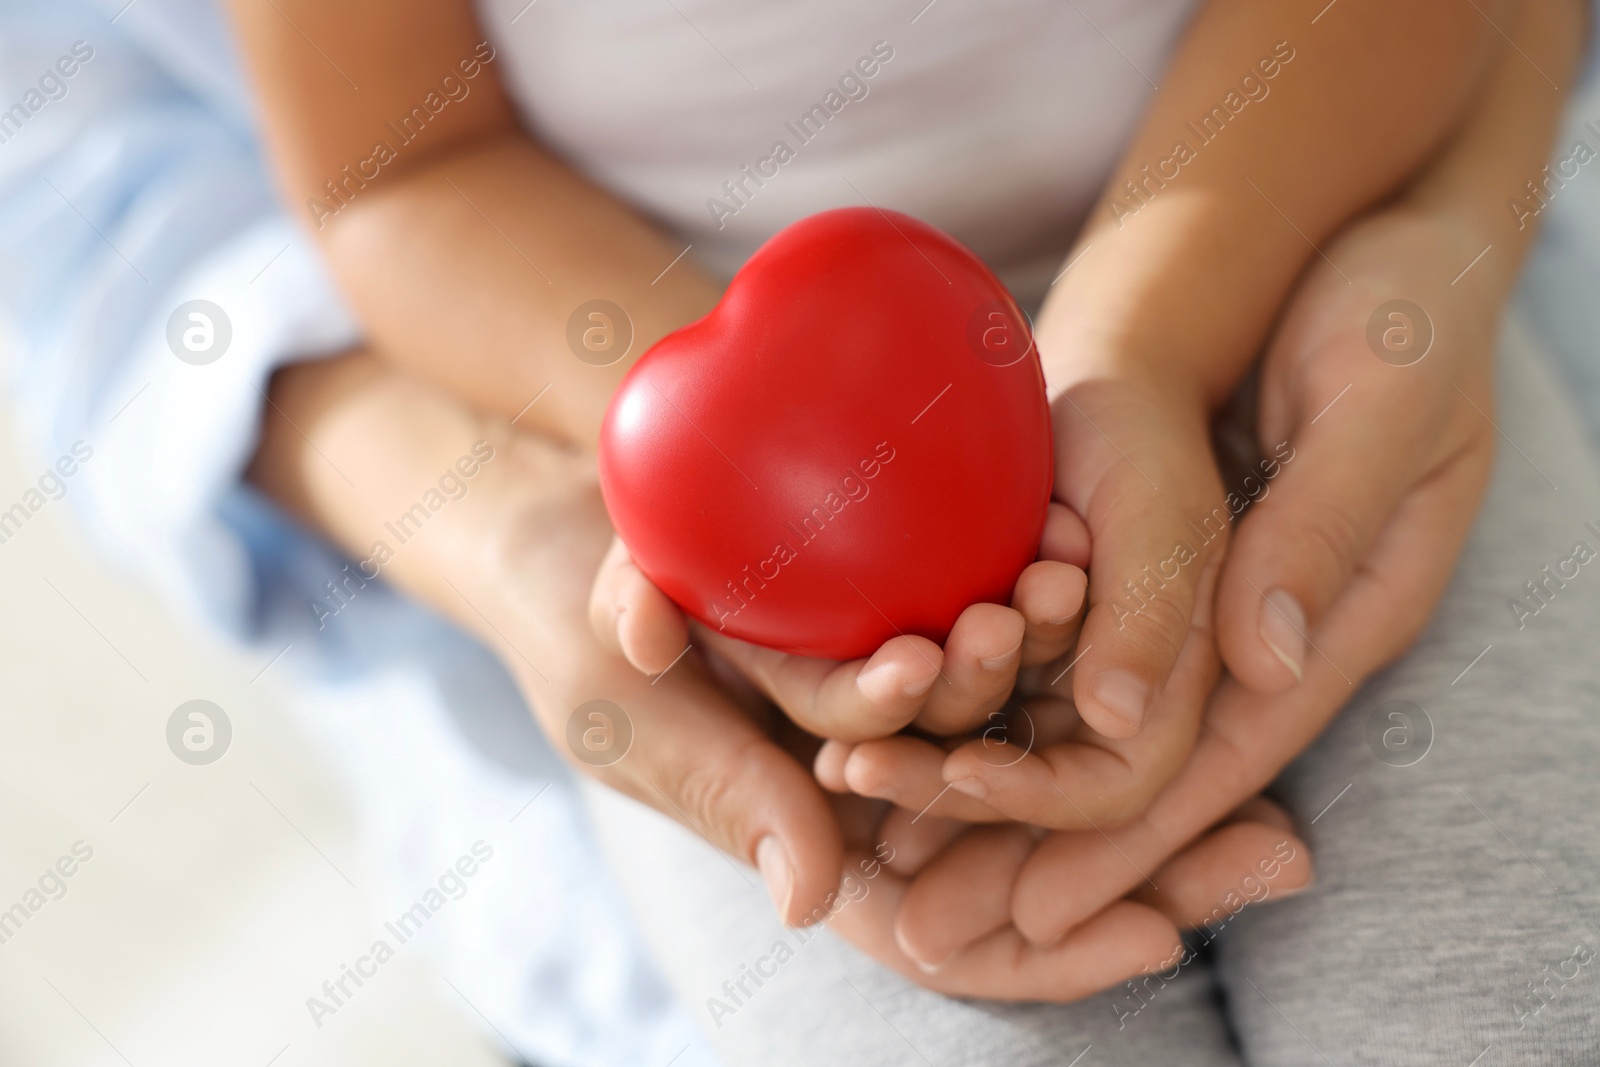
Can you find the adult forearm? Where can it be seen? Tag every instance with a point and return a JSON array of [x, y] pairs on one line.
[[439, 501]]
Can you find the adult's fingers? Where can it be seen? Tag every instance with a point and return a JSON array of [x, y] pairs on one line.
[[630, 615], [916, 837], [513, 562], [1242, 863], [697, 758], [1124, 940], [1135, 461], [962, 895], [1248, 737]]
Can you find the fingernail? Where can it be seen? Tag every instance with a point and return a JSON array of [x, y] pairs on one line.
[[1283, 624], [776, 872], [874, 680], [994, 663], [976, 788], [1289, 891], [925, 966], [1124, 695], [877, 790]]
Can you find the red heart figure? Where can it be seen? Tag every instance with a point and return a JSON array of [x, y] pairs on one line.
[[855, 443]]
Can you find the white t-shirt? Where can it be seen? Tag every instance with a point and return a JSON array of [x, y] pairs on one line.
[[996, 121]]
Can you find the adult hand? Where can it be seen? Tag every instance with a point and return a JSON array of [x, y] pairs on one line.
[[1377, 461], [1419, 436], [348, 443], [907, 680], [511, 561], [1377, 413]]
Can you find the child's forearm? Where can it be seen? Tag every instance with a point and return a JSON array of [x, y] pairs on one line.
[[1269, 132], [464, 248]]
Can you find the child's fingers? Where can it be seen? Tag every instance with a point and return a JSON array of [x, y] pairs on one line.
[[1089, 781], [1066, 537], [828, 765], [630, 615], [1135, 461], [981, 656], [851, 701], [1049, 597], [907, 771]]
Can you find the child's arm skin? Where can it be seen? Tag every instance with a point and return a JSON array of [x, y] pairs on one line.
[[1152, 329], [468, 252], [1408, 417]]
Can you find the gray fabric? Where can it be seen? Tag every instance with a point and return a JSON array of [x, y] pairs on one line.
[[1455, 920]]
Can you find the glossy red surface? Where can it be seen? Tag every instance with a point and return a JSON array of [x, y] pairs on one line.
[[854, 443]]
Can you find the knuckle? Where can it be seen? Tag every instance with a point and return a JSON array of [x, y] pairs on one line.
[[1123, 807], [1154, 626], [1113, 808], [709, 793], [1334, 535]]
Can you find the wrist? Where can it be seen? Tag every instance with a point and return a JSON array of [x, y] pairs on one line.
[[1072, 353]]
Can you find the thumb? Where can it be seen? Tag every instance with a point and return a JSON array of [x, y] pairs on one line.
[[1321, 499], [630, 615], [1136, 464], [683, 748]]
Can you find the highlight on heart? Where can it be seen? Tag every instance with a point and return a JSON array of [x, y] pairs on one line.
[[720, 452]]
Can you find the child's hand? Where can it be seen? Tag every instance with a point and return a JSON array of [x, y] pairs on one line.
[[1039, 762], [1104, 728], [908, 680]]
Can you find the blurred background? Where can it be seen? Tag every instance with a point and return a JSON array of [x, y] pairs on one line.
[[206, 883], [218, 897]]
